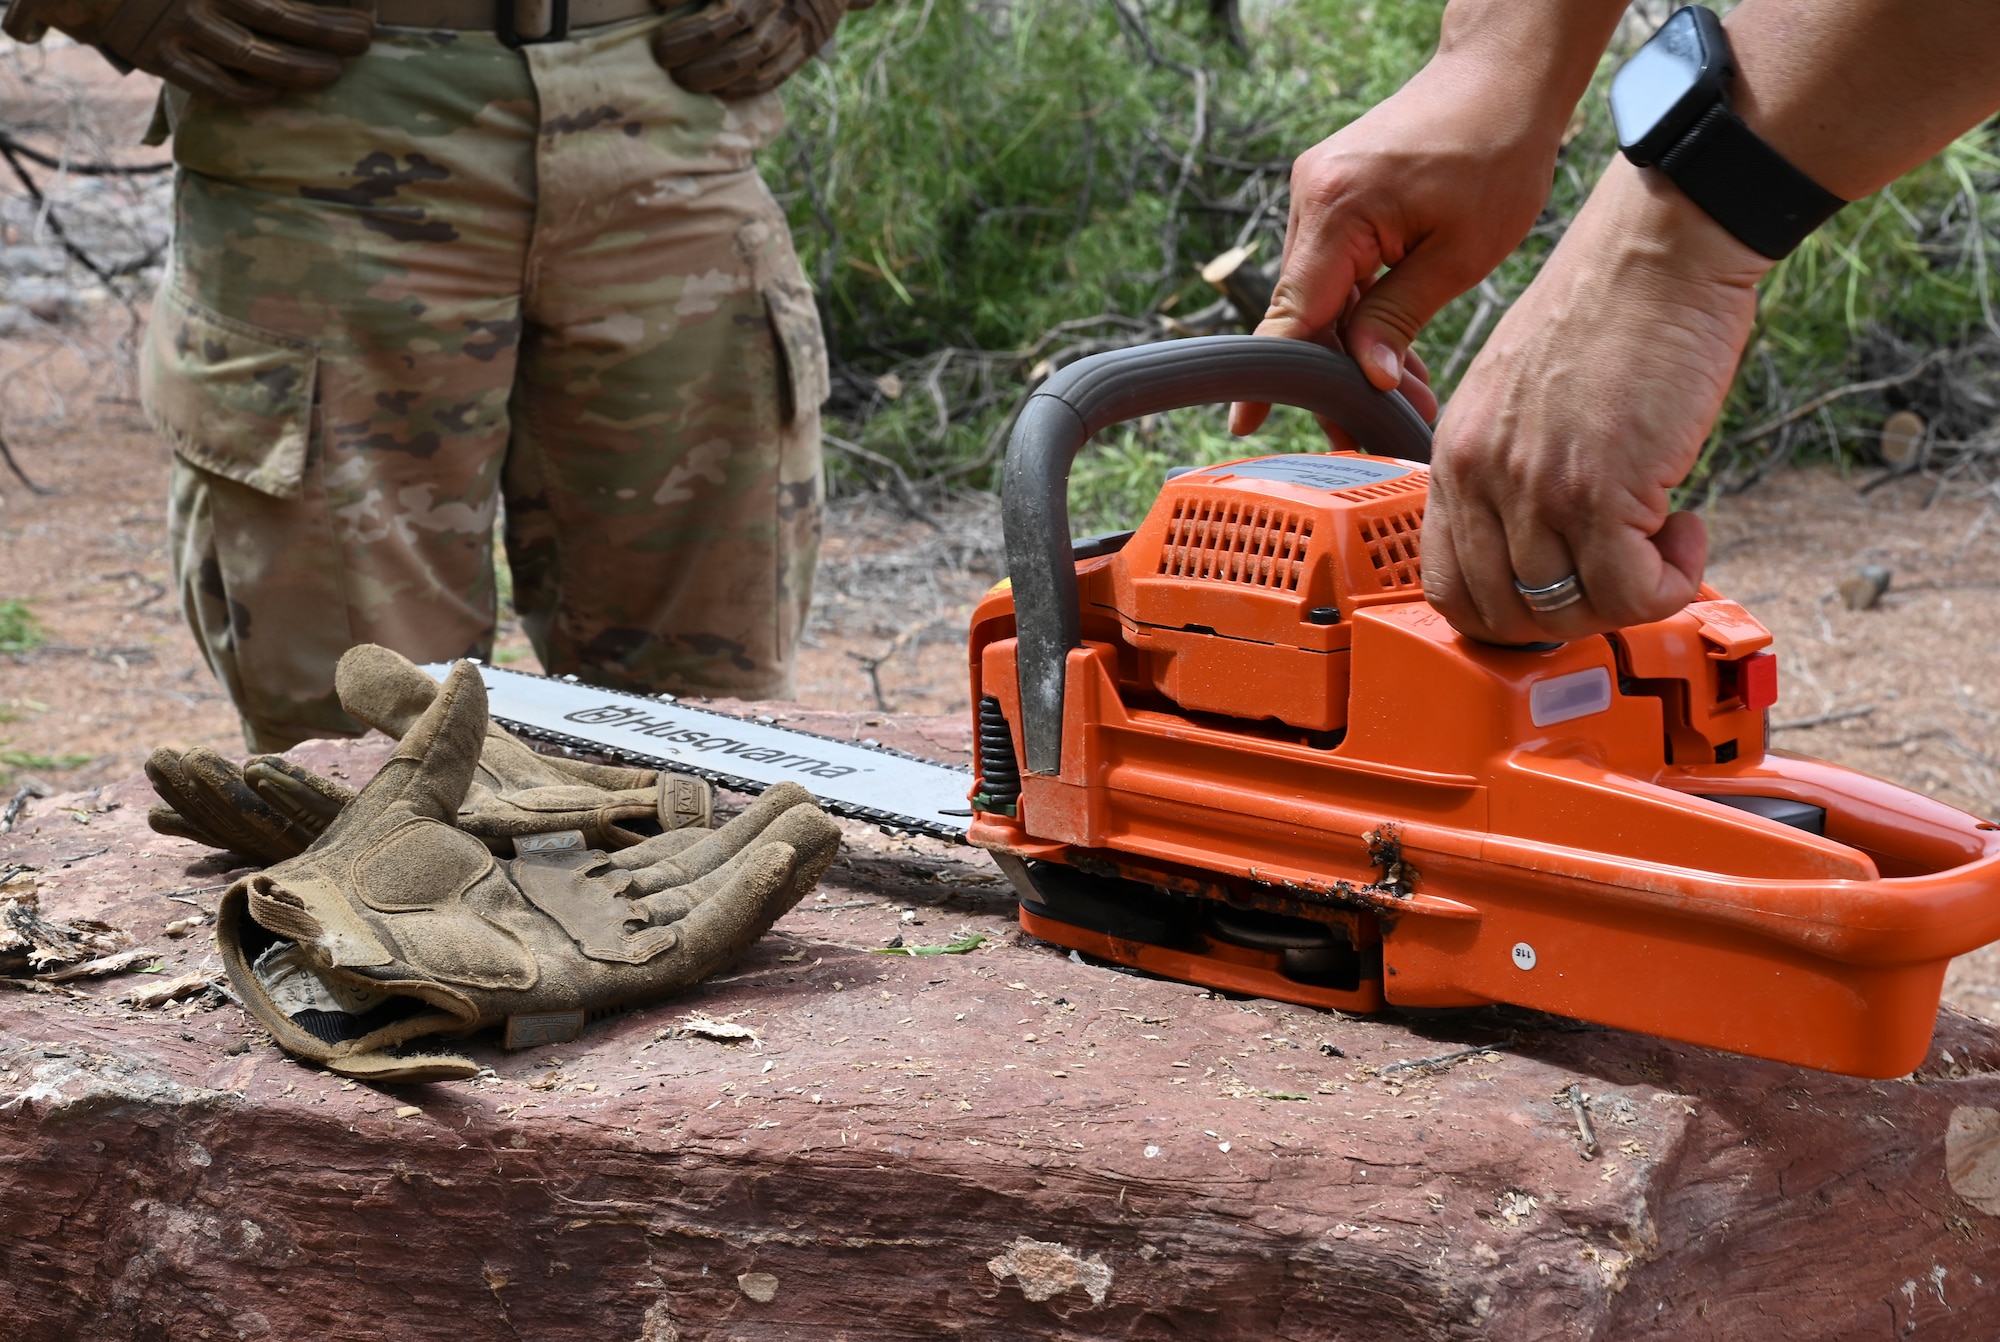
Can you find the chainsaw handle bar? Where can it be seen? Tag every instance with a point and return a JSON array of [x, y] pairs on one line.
[[1105, 389]]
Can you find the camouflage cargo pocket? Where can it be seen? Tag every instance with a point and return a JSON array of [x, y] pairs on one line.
[[261, 575], [803, 378], [803, 384], [232, 399]]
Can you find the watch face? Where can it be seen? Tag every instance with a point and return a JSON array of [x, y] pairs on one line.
[[1652, 96]]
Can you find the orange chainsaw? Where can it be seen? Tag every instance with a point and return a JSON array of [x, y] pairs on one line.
[[1235, 747]]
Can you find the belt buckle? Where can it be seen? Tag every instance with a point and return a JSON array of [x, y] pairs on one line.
[[506, 24]]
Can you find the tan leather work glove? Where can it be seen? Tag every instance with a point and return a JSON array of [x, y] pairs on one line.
[[211, 801], [397, 925], [272, 808], [239, 51], [737, 48], [515, 791]]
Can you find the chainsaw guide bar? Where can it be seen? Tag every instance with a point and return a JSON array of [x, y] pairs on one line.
[[873, 783]]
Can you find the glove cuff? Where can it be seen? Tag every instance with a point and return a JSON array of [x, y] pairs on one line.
[[239, 939]]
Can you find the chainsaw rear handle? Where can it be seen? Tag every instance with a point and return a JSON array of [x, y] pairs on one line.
[[1105, 389]]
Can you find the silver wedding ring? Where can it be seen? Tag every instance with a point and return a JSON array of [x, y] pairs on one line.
[[1563, 592]]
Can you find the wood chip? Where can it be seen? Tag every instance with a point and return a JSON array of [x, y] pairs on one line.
[[159, 994], [721, 1031], [109, 964]]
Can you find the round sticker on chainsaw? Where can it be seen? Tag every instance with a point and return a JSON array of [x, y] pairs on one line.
[[1313, 470], [1524, 955]]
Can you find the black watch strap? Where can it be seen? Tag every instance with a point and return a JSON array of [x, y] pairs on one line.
[[1746, 186]]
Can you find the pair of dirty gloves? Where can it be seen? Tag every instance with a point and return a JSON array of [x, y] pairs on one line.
[[473, 882]]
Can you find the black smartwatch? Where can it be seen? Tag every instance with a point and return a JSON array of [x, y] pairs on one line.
[[1670, 103]]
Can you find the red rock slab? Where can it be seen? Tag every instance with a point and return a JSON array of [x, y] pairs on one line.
[[1005, 1144]]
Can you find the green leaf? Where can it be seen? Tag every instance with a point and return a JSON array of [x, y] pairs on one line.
[[970, 943]]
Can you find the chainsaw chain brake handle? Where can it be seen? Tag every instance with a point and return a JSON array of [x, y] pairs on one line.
[[1105, 389]]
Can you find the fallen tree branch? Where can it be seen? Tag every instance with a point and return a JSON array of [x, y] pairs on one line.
[[905, 492], [7, 455], [1586, 1136], [34, 155], [1825, 398], [105, 274], [1443, 1059]]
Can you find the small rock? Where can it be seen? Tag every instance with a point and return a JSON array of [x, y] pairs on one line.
[[1972, 1156], [759, 1286], [408, 1111], [1902, 439], [1046, 1269], [1865, 588], [158, 994], [722, 1032]]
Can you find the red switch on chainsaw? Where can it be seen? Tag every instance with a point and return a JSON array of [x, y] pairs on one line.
[[1236, 747], [1757, 677]]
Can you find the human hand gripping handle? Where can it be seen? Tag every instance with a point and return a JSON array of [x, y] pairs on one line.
[[1437, 183], [238, 51]]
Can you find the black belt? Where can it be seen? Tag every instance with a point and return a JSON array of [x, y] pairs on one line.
[[516, 22]]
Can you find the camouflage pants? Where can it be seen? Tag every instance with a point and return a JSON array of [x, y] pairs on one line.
[[462, 275]]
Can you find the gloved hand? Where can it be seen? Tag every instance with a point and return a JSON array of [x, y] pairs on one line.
[[405, 926], [239, 51], [211, 801], [737, 48], [272, 808]]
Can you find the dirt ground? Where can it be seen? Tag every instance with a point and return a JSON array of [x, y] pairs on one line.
[[1906, 691]]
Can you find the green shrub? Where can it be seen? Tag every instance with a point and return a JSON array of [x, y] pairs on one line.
[[968, 176], [20, 631]]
